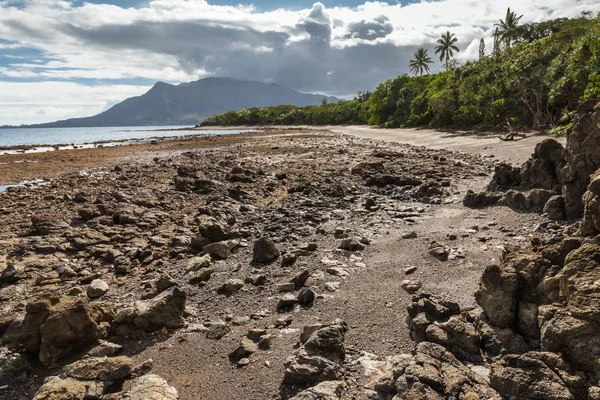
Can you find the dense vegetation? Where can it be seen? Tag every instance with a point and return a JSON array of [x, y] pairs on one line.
[[536, 76]]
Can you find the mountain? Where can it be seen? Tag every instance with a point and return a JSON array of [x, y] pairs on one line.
[[189, 103]]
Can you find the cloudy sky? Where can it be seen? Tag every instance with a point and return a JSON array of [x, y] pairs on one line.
[[61, 59]]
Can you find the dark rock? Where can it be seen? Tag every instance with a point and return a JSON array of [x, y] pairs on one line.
[[264, 251]]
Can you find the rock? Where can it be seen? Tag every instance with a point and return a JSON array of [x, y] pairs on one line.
[[151, 387], [49, 223], [410, 270], [56, 327], [199, 242], [350, 244], [55, 388], [202, 275], [244, 350], [555, 208], [243, 362], [231, 286], [265, 341], [525, 376], [409, 235], [320, 358], [306, 297], [370, 204], [105, 349], [411, 287], [218, 330], [299, 280], [197, 263], [12, 274], [264, 251], [435, 373], [162, 311], [590, 225], [219, 250], [97, 288], [441, 253], [328, 390], [497, 294], [100, 368], [286, 303], [216, 232], [286, 287]]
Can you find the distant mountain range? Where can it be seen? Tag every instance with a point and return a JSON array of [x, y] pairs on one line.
[[190, 103]]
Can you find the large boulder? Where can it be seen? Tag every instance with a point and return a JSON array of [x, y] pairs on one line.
[[552, 171], [433, 373], [536, 375], [320, 358], [56, 327], [151, 387], [163, 311]]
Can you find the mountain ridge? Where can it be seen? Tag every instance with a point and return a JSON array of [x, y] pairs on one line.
[[189, 103]]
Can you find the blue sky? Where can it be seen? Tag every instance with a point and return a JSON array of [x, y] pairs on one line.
[[68, 58]]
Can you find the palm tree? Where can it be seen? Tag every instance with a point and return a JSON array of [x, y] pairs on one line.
[[419, 64], [507, 27], [446, 47]]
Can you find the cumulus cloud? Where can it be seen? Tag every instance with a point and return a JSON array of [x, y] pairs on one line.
[[180, 40]]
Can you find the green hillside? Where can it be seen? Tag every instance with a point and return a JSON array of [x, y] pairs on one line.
[[535, 77]]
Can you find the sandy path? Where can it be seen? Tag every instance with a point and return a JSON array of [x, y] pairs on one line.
[[517, 151]]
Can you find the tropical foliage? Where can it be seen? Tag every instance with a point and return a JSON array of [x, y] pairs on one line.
[[546, 72], [446, 47], [420, 62]]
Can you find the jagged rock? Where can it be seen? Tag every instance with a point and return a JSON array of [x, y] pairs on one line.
[[590, 225], [151, 387], [56, 327], [551, 170], [328, 390], [163, 311], [55, 388], [49, 223], [434, 373], [219, 250], [217, 330], [216, 232], [438, 319], [197, 263], [497, 294], [527, 376], [100, 368], [105, 349], [264, 251], [245, 349], [542, 170], [482, 199], [320, 358], [201, 276], [505, 177]]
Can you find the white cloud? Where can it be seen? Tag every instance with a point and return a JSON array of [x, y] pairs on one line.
[[181, 40], [36, 102]]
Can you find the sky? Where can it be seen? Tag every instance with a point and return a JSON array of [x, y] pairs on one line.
[[62, 59]]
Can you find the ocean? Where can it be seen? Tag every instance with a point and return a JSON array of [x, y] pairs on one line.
[[42, 138]]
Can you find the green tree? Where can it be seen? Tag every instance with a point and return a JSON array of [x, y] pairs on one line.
[[507, 28], [446, 47], [419, 64]]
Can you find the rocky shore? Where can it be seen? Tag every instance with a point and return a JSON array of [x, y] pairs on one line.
[[284, 266]]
